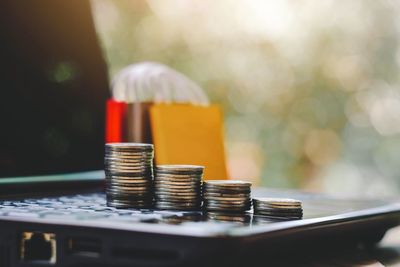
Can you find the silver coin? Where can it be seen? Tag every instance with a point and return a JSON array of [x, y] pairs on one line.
[[176, 205], [147, 176], [258, 206], [133, 171], [180, 197], [116, 185], [163, 207], [228, 201], [170, 186], [179, 202], [262, 219], [233, 209], [225, 192], [212, 198], [284, 209], [178, 193], [164, 187], [187, 189], [211, 195], [141, 160], [176, 198], [228, 207], [178, 173], [128, 172], [130, 188], [129, 181], [278, 201], [134, 184], [127, 190], [168, 205], [279, 213], [128, 167], [129, 146], [129, 156], [128, 153], [177, 183], [180, 167], [128, 162], [178, 177], [227, 183], [128, 177]]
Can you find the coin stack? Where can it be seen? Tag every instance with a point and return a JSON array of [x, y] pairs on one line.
[[178, 187], [278, 208], [227, 195], [129, 175]]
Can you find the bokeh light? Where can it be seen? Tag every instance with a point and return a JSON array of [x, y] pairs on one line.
[[310, 89]]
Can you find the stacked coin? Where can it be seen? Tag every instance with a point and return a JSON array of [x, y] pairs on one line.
[[129, 175], [227, 195], [178, 187], [278, 208]]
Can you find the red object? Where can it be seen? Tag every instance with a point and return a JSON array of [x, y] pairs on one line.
[[115, 120]]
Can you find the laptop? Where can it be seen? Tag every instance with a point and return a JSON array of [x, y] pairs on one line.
[[53, 210]]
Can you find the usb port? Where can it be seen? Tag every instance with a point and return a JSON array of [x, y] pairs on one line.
[[84, 246]]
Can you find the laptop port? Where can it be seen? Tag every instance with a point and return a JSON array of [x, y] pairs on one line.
[[38, 247], [86, 247]]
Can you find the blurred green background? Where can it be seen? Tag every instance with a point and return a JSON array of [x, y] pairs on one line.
[[309, 89]]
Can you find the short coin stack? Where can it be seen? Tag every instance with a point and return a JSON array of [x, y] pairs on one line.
[[278, 208], [227, 195], [178, 187], [129, 175]]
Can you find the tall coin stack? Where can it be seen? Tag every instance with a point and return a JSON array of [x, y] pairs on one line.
[[227, 195], [278, 208], [178, 187], [129, 175]]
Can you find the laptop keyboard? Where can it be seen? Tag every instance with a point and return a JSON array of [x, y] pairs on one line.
[[89, 207], [93, 207]]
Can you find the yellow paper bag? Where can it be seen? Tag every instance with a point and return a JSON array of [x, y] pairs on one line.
[[188, 134]]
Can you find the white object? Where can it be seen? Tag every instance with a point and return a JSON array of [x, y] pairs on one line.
[[155, 82]]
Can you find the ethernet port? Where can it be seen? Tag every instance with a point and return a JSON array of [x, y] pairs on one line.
[[38, 247]]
